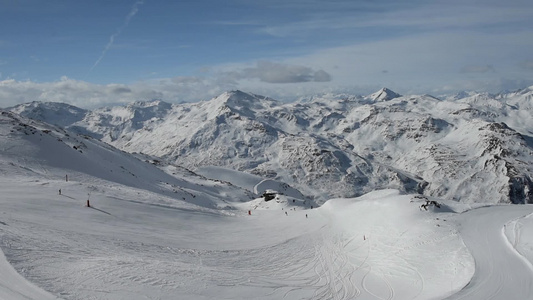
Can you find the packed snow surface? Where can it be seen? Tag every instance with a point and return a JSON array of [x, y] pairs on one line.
[[379, 246]]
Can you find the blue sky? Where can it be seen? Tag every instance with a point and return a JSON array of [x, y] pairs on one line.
[[93, 52]]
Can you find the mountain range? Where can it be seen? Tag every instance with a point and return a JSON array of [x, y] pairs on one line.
[[469, 147]]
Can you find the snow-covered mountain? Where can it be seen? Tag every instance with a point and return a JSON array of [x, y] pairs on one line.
[[474, 147], [55, 113], [157, 230], [34, 148], [384, 95]]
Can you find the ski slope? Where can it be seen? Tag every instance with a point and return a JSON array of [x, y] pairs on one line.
[[502, 272], [379, 246]]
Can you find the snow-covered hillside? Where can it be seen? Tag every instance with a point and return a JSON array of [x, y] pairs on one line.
[[33, 148], [473, 147]]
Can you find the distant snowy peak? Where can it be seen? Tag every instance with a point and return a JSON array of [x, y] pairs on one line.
[[154, 104], [384, 95], [524, 91], [56, 113], [145, 110], [522, 98], [239, 102], [460, 95], [151, 103], [239, 99], [134, 115]]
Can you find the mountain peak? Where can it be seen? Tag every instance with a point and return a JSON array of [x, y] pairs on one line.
[[244, 102], [384, 95], [239, 97], [57, 113], [151, 103]]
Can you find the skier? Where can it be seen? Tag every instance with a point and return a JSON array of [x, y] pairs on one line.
[[59, 191]]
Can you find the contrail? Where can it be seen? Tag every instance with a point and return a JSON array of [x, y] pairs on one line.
[[132, 13]]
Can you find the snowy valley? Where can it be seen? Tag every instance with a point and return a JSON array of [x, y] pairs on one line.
[[372, 197]]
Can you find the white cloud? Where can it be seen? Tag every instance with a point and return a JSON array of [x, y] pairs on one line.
[[274, 72], [119, 89], [271, 72], [426, 62], [89, 95], [178, 89], [79, 93]]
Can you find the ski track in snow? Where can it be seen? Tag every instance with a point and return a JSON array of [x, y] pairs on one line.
[[501, 271], [111, 258], [518, 228], [306, 265]]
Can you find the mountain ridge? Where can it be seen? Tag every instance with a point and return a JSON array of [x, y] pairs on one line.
[[344, 146]]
